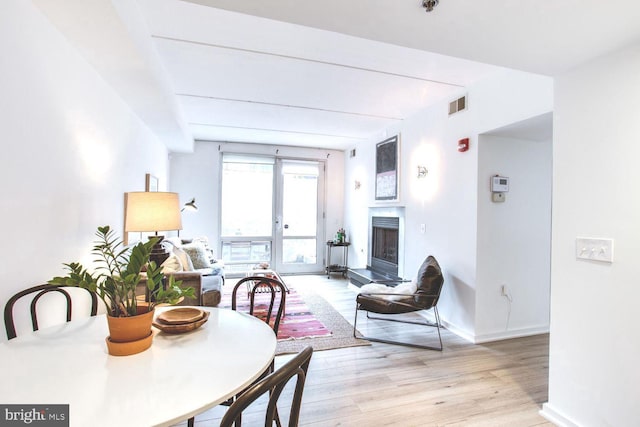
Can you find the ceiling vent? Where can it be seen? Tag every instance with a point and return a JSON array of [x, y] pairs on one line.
[[459, 104]]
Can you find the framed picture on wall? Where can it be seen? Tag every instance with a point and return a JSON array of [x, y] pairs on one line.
[[150, 183], [387, 155]]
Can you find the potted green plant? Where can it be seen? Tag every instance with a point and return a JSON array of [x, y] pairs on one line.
[[118, 272]]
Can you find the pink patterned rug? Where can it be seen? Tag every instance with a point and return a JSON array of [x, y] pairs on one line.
[[298, 322]]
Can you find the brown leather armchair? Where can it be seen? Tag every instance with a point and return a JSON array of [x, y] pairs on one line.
[[426, 296]]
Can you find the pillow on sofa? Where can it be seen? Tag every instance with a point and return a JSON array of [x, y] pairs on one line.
[[171, 265], [198, 255], [204, 241], [184, 259]]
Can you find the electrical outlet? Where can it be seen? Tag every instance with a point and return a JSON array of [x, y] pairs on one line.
[[423, 228], [503, 290]]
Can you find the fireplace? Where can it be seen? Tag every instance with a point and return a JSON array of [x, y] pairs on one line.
[[384, 244], [385, 249]]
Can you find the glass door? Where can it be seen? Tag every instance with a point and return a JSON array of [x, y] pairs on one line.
[[299, 224], [271, 211], [246, 211]]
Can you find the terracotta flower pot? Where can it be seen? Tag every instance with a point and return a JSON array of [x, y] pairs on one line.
[[129, 348], [130, 335]]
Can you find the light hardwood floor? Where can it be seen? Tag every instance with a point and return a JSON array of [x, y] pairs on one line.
[[496, 384]]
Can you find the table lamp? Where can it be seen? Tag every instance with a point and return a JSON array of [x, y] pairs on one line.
[[152, 211]]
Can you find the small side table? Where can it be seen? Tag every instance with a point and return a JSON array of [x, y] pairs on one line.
[[271, 274], [337, 268], [264, 272]]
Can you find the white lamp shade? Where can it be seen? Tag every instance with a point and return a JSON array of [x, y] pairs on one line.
[[151, 211]]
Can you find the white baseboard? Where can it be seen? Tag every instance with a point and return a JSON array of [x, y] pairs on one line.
[[459, 332], [498, 336], [430, 316], [479, 339], [516, 333], [554, 417]]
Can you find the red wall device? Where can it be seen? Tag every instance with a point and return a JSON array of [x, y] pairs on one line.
[[463, 145]]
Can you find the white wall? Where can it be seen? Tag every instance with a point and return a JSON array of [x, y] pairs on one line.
[[71, 148], [514, 238], [198, 175], [446, 201], [595, 332]]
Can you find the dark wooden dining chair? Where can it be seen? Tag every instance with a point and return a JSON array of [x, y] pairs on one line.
[[272, 295], [426, 296], [36, 293], [267, 288], [273, 384]]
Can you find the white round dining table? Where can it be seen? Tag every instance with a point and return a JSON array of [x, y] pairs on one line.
[[180, 376]]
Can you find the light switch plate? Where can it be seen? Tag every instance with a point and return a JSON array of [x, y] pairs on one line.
[[594, 249]]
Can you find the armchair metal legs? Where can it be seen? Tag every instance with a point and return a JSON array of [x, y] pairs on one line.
[[425, 323]]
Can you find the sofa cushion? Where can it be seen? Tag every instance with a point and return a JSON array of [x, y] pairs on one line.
[[171, 265], [198, 255], [204, 241], [184, 259]]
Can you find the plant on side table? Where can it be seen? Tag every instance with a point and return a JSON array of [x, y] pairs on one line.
[[119, 270]]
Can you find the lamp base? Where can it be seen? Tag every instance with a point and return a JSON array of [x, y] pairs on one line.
[[158, 255], [158, 252]]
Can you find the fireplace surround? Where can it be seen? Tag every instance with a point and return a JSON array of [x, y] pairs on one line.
[[385, 260], [384, 244]]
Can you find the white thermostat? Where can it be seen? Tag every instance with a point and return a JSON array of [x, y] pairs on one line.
[[499, 184]]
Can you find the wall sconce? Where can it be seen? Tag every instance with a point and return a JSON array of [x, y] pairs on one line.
[[422, 171], [190, 206], [357, 185]]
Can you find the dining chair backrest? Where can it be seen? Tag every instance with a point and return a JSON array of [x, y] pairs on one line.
[[274, 384], [36, 293], [271, 289], [268, 289]]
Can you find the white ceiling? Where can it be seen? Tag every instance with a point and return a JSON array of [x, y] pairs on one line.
[[243, 78], [545, 37], [324, 74]]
